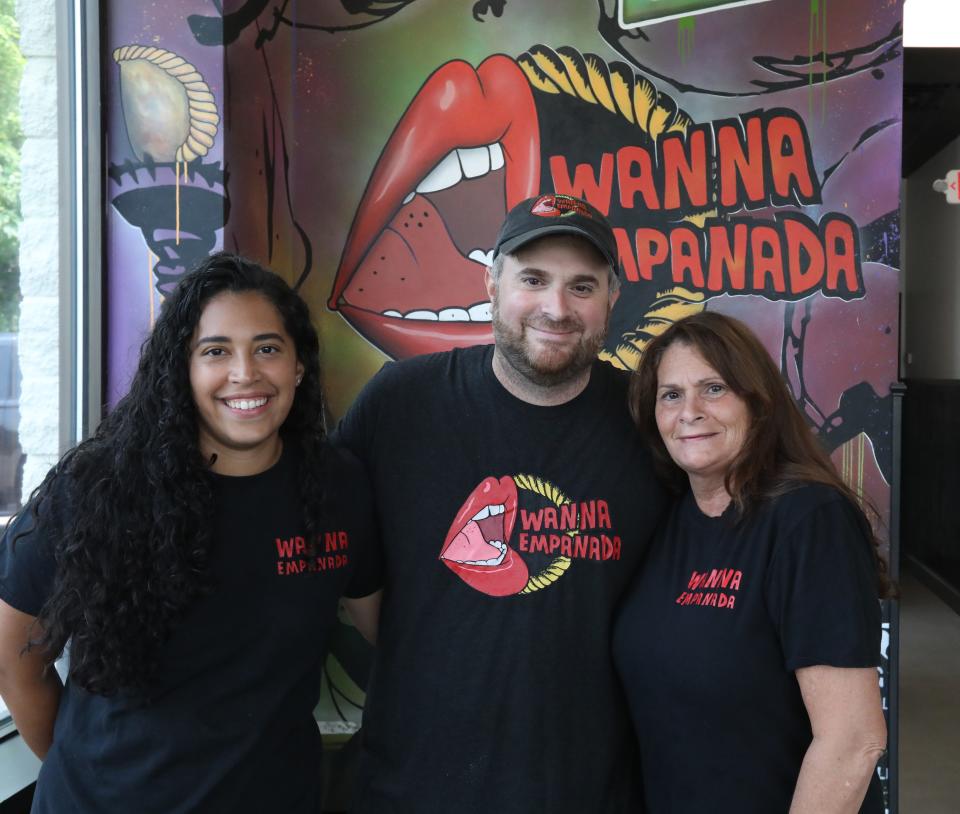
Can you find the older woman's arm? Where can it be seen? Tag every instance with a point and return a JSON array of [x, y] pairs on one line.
[[849, 736], [29, 685]]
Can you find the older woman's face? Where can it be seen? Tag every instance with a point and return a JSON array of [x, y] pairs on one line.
[[701, 420]]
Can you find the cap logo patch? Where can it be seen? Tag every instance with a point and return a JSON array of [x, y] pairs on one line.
[[556, 206]]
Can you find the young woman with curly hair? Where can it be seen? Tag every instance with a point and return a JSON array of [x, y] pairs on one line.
[[189, 557]]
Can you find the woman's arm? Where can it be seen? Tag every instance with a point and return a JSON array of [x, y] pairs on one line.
[[29, 685], [849, 736], [365, 614]]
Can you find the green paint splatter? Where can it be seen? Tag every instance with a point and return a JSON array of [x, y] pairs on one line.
[[818, 40], [686, 28]]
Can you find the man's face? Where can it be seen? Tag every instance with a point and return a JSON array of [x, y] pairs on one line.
[[551, 306]]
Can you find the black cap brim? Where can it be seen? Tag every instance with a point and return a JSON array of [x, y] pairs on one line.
[[510, 246]]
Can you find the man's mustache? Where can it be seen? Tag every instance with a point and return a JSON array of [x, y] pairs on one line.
[[547, 324]]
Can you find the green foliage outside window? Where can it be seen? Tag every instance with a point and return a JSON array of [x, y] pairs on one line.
[[11, 69]]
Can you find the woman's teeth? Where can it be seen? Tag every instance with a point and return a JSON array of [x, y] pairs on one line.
[[245, 404]]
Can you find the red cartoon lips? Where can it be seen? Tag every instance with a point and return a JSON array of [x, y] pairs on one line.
[[477, 548], [411, 278]]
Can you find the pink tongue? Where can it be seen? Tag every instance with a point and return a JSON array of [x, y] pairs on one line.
[[414, 265], [469, 545]]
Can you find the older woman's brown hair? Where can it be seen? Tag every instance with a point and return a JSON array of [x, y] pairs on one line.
[[779, 452]]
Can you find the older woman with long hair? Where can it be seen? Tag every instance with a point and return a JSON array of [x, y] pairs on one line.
[[190, 556], [749, 641]]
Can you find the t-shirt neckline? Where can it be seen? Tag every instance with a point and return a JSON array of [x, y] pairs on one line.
[[503, 395]]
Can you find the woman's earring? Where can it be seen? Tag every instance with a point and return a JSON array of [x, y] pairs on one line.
[[299, 379]]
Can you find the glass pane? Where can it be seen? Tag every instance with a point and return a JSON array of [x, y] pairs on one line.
[[11, 138]]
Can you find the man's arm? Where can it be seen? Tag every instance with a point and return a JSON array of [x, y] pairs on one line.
[[365, 614], [29, 684], [849, 736]]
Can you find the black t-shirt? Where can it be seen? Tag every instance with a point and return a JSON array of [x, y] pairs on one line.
[[227, 724], [710, 634], [510, 531]]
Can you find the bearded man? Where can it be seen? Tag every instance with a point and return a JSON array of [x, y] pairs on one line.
[[514, 500]]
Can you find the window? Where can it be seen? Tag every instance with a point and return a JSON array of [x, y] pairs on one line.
[[11, 139], [49, 297]]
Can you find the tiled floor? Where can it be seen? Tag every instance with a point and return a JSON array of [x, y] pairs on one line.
[[929, 702]]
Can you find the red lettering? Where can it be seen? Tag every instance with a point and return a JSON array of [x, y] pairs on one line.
[[585, 184], [805, 257], [841, 247], [735, 583], [685, 165], [550, 518], [531, 520], [625, 252], [652, 250], [588, 515], [539, 542], [603, 515], [767, 259], [740, 163], [568, 516], [724, 260], [789, 163], [284, 547], [685, 250], [643, 182]]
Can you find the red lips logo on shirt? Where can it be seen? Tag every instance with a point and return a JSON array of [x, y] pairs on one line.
[[477, 548]]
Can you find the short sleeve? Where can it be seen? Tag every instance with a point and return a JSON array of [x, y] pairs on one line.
[[356, 430], [353, 506], [822, 590], [27, 565]]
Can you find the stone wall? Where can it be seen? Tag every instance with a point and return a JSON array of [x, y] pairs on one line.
[[39, 243]]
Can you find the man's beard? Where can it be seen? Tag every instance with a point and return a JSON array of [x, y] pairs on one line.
[[550, 368]]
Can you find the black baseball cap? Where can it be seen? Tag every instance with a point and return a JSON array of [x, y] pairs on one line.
[[555, 214]]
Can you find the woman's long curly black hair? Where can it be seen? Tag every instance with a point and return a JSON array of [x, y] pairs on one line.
[[127, 511]]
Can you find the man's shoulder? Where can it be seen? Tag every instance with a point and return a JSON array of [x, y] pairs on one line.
[[430, 367], [616, 380]]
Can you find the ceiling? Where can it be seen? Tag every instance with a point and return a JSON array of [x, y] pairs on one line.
[[931, 103]]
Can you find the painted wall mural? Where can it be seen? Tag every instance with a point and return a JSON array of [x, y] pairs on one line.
[[746, 153]]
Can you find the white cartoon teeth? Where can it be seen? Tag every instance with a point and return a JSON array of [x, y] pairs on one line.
[[445, 175], [474, 162], [475, 313], [466, 162], [498, 544], [245, 404], [487, 511], [459, 164], [484, 258], [496, 156], [480, 312]]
